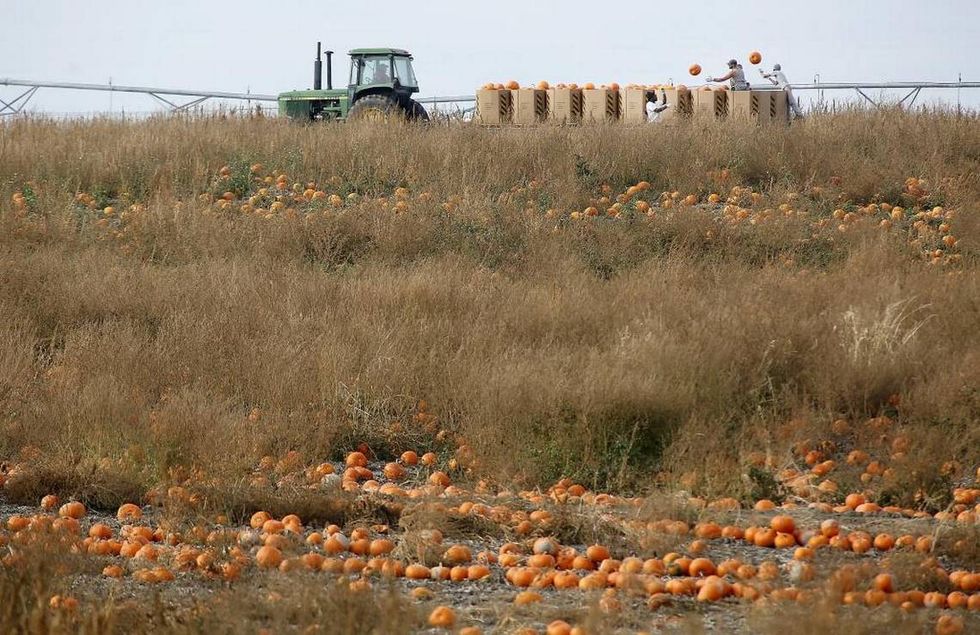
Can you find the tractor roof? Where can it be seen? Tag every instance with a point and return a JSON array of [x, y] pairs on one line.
[[381, 51]]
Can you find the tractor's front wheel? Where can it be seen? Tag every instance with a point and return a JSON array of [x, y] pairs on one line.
[[374, 108]]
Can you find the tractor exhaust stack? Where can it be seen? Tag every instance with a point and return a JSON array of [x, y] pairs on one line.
[[317, 70], [329, 70]]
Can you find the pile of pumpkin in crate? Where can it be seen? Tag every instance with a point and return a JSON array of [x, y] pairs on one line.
[[511, 104]]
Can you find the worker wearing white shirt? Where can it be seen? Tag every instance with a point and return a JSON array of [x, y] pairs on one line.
[[778, 79], [653, 110]]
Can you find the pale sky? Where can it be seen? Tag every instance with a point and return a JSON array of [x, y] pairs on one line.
[[268, 47]]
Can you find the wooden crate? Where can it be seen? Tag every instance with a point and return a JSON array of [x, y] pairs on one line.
[[493, 107], [565, 105], [753, 105], [529, 106], [635, 110], [600, 105], [711, 104], [779, 109]]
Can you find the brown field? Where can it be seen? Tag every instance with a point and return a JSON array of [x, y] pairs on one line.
[[612, 336]]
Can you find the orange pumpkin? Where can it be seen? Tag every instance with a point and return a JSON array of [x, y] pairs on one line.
[[948, 624], [410, 458], [128, 511], [597, 553], [49, 502], [268, 557], [442, 617], [701, 567], [258, 519], [394, 471], [558, 627], [712, 591], [356, 459], [73, 509], [527, 597], [695, 70], [457, 554], [755, 57], [783, 524]]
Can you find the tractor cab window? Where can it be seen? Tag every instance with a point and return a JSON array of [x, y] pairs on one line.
[[355, 68], [404, 73], [376, 70]]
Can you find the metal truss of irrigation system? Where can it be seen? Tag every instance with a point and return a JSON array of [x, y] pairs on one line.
[[178, 100]]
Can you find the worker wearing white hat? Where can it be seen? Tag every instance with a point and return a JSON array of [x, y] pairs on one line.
[[735, 75], [778, 79]]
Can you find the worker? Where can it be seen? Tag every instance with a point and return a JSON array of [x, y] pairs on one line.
[[778, 79], [381, 75], [653, 110], [735, 75]]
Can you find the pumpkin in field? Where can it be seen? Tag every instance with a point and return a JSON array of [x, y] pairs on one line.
[[442, 617], [128, 511], [559, 627], [755, 57], [268, 557], [949, 624], [527, 597], [695, 69], [73, 509], [783, 524], [701, 567]]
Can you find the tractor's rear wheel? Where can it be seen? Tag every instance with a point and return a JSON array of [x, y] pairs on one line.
[[416, 112], [374, 108]]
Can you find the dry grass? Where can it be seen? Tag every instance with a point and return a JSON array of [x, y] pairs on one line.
[[605, 350], [304, 604], [829, 616], [42, 570]]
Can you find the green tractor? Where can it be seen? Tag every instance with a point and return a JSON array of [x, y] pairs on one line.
[[381, 86]]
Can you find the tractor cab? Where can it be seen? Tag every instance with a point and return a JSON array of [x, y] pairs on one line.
[[382, 68], [382, 82]]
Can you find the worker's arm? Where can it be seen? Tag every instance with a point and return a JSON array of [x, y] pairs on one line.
[[724, 78]]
